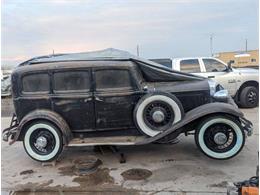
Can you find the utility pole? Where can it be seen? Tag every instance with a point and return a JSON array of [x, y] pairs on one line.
[[246, 45], [211, 44], [137, 50], [52, 51]]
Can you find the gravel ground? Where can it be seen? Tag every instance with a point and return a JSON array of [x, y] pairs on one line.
[[149, 169]]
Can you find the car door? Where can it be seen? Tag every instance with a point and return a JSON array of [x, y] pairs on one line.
[[115, 98], [73, 98], [219, 72]]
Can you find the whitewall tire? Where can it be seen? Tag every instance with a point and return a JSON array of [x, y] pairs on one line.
[[220, 137], [42, 141], [157, 112]]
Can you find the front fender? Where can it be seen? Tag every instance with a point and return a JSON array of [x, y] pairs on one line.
[[45, 115], [196, 113]]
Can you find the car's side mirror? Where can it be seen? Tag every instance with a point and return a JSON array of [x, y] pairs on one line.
[[230, 65]]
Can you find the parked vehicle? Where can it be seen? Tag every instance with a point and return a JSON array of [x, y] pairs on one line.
[[241, 83], [6, 86], [111, 97]]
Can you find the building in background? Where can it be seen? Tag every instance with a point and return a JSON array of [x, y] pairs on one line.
[[240, 58]]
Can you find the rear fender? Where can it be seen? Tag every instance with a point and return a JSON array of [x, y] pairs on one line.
[[50, 116], [192, 115]]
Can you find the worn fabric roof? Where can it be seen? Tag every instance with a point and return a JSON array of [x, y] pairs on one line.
[[157, 71], [106, 54]]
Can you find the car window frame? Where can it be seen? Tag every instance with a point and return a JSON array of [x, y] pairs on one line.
[[81, 91], [204, 67], [26, 93], [117, 89]]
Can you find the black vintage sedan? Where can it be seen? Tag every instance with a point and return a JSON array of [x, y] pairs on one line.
[[111, 97]]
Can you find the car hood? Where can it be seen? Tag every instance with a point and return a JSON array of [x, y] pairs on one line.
[[246, 70]]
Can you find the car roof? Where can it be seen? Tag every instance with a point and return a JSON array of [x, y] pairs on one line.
[[108, 57], [187, 58], [101, 55]]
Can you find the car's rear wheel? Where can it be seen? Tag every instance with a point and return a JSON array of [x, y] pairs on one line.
[[157, 112], [42, 141], [220, 137], [249, 97]]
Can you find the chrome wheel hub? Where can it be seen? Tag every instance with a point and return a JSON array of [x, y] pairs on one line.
[[220, 138], [158, 116], [41, 142]]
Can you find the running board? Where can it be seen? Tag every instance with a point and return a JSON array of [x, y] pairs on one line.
[[114, 140]]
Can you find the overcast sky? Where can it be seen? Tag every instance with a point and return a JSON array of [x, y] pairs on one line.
[[176, 28]]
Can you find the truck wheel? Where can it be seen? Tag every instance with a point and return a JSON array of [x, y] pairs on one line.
[[220, 137], [157, 112], [249, 97], [42, 141]]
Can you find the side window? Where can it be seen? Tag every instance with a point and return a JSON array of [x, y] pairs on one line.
[[212, 65], [71, 81], [190, 66], [37, 82], [112, 79]]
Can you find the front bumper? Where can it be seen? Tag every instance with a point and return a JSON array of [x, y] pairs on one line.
[[247, 126]]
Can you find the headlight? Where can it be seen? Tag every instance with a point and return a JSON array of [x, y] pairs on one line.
[[212, 87], [221, 95]]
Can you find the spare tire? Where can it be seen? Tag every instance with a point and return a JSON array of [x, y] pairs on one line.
[[157, 112]]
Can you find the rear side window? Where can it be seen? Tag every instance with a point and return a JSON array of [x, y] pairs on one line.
[[71, 81], [112, 79], [190, 66], [36, 83]]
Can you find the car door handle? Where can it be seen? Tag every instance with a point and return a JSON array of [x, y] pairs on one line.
[[98, 99], [210, 77]]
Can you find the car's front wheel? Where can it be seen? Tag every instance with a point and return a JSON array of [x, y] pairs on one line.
[[249, 97], [42, 141], [220, 137]]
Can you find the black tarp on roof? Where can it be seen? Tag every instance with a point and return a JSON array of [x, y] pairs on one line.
[[151, 70]]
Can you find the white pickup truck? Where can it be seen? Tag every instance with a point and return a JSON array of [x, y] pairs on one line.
[[241, 83]]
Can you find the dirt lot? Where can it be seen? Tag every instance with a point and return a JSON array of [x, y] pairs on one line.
[[150, 169]]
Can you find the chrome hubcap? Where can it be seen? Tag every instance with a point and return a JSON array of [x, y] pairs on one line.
[[41, 142], [220, 138], [158, 116]]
